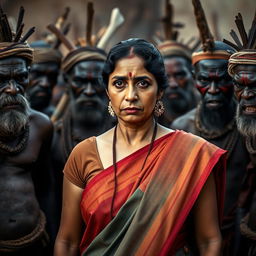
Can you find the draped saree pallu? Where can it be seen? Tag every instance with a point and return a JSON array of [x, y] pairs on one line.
[[151, 205]]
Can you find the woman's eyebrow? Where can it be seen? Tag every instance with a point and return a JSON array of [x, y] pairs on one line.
[[119, 77]]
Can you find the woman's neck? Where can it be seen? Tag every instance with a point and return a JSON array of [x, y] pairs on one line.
[[135, 134]]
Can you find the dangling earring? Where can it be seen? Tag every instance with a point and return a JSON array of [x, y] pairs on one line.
[[159, 108], [110, 109]]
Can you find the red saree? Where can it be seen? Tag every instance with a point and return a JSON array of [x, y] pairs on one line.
[[151, 205]]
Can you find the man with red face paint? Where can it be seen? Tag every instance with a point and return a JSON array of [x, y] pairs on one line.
[[214, 120], [245, 91], [242, 68], [180, 96]]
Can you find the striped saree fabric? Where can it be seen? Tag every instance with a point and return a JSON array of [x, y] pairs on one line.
[[151, 205]]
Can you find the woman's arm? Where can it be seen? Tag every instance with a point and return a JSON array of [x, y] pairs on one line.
[[70, 231], [206, 221]]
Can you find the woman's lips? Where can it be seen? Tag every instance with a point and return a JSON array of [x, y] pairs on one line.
[[131, 110]]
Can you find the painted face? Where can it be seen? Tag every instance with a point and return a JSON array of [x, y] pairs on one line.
[[245, 92], [214, 83], [133, 91], [180, 93], [89, 95], [13, 104], [43, 78], [13, 75], [84, 78]]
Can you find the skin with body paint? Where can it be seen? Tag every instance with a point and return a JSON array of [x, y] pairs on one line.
[[88, 95], [25, 183], [180, 96], [216, 89], [245, 92], [43, 78]]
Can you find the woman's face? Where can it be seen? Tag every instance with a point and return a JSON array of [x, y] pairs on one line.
[[132, 90]]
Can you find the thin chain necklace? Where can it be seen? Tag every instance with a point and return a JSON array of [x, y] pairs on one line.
[[115, 165]]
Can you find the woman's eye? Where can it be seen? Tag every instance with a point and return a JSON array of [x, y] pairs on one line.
[[143, 83], [118, 83]]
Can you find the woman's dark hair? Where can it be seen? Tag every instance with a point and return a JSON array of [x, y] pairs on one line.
[[153, 61]]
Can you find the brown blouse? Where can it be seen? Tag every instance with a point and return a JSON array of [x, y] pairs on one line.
[[83, 163]]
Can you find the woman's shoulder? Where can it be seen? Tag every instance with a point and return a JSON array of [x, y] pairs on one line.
[[86, 145]]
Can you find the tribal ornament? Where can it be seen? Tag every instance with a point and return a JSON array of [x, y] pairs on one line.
[[169, 45], [246, 47]]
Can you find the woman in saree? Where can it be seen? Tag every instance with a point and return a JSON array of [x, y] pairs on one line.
[[140, 188]]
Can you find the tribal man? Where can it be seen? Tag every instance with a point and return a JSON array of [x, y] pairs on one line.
[[214, 120], [181, 95], [242, 67], [43, 76], [26, 198], [45, 69]]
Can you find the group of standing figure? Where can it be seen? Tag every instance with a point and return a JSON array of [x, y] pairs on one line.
[[144, 150]]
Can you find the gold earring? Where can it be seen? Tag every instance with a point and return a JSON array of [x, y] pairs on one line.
[[159, 108], [110, 109]]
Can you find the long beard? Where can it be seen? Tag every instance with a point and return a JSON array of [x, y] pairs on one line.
[[245, 125], [87, 116], [13, 121]]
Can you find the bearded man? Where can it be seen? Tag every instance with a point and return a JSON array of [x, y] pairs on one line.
[[214, 120], [242, 68], [180, 96], [26, 195]]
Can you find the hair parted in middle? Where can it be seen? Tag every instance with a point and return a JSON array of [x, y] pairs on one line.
[[153, 61]]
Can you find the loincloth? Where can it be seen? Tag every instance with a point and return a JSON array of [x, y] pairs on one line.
[[36, 235]]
